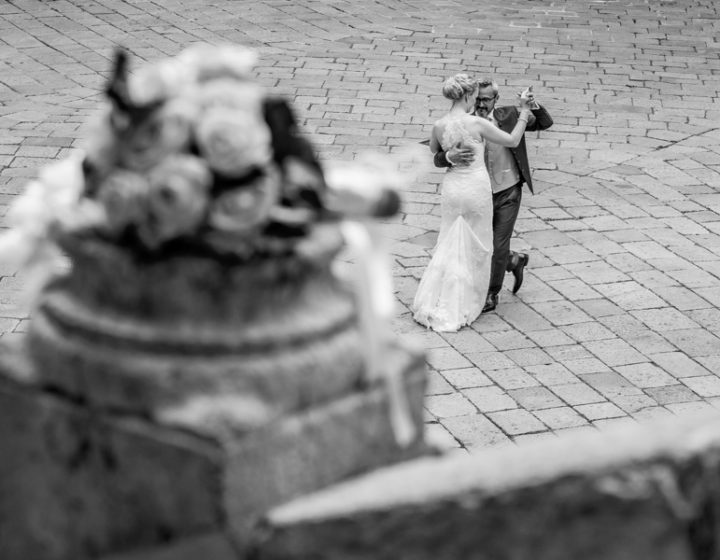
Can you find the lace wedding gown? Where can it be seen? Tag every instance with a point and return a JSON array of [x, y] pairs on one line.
[[454, 286]]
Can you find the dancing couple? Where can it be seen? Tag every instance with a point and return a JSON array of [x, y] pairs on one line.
[[483, 147]]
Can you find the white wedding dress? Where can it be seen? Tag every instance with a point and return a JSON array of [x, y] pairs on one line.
[[454, 286]]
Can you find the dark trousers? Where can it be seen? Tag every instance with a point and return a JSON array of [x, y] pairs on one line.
[[506, 205]]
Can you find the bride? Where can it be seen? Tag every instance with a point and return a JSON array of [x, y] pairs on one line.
[[453, 289]]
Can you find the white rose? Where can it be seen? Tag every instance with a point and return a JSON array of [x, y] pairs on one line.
[[166, 131], [233, 142], [177, 199], [229, 94], [161, 81], [124, 196], [211, 61], [247, 206]]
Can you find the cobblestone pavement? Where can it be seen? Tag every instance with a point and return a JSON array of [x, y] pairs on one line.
[[618, 318]]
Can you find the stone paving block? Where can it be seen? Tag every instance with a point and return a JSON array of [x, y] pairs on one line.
[[516, 422], [646, 375], [438, 436], [567, 254], [525, 225], [535, 290], [468, 340], [622, 325], [583, 332], [626, 262], [573, 289], [632, 403], [694, 342], [552, 374], [446, 406], [610, 384], [614, 423], [446, 358], [490, 323], [648, 250], [710, 294], [576, 393], [707, 318], [569, 353], [522, 317], [512, 378], [548, 238], [437, 385], [672, 394], [614, 352], [489, 399], [529, 356], [466, 377], [549, 337], [653, 279], [424, 339], [652, 414], [597, 243], [693, 277], [550, 273], [600, 411], [606, 223], [490, 360], [475, 431], [625, 236], [699, 407], [599, 307], [648, 342], [630, 295], [508, 340], [561, 312], [561, 417], [679, 365], [535, 398], [705, 386], [712, 363]]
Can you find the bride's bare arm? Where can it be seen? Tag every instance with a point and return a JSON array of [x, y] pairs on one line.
[[493, 134]]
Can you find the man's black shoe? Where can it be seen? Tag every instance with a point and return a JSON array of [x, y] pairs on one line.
[[519, 270], [490, 303]]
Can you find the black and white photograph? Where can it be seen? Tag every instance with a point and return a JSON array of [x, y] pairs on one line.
[[359, 280]]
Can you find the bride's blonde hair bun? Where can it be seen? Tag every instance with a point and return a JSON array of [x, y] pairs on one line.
[[458, 85]]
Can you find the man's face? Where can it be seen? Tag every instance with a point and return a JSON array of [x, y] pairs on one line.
[[485, 102]]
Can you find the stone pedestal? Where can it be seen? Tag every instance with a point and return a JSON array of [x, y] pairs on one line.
[[156, 398], [81, 481]]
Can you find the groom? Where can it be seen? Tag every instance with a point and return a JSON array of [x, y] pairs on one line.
[[508, 169]]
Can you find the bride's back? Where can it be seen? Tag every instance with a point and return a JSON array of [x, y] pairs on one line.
[[456, 129]]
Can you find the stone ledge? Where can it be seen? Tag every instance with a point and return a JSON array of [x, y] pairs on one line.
[[650, 492], [78, 482]]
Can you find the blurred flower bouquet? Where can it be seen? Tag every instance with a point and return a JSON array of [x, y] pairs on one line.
[[196, 220], [188, 155]]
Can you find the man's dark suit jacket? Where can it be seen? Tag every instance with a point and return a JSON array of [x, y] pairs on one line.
[[507, 118]]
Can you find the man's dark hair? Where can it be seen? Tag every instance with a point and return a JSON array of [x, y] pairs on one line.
[[487, 82]]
